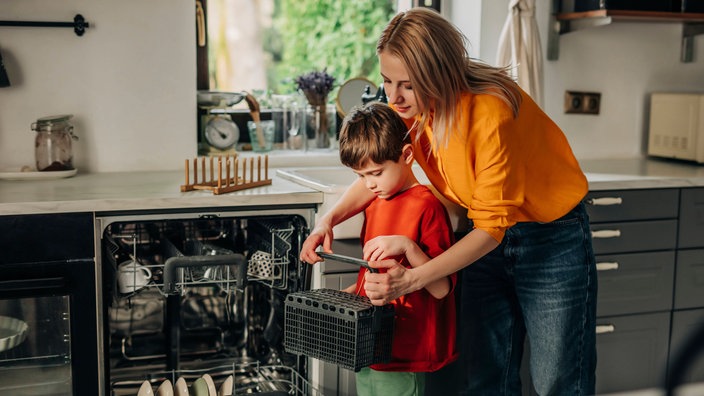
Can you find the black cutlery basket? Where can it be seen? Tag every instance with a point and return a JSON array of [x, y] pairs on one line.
[[338, 328]]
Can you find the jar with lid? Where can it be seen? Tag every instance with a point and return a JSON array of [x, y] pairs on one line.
[[52, 144]]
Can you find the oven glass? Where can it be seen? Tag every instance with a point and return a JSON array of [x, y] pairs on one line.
[[35, 346]]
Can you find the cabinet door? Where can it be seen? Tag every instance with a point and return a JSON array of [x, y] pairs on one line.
[[46, 237], [635, 283], [634, 236], [689, 286], [604, 206], [684, 323], [692, 218], [631, 351]]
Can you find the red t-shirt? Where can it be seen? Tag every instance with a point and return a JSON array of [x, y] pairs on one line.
[[424, 330]]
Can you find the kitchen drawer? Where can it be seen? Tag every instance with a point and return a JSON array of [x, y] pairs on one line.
[[631, 351], [623, 205], [635, 236], [684, 323], [691, 218], [689, 281], [635, 283]]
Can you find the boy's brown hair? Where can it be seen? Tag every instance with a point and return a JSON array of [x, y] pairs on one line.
[[372, 132]]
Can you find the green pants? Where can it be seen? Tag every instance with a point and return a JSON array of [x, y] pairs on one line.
[[389, 383]]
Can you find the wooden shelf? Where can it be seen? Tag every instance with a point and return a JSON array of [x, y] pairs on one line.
[[634, 16], [562, 23]]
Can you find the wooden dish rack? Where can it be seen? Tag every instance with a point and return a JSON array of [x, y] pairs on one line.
[[229, 174]]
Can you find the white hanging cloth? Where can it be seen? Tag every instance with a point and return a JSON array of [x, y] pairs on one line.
[[519, 48]]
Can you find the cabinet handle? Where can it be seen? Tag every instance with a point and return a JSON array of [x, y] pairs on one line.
[[603, 329], [606, 234], [605, 201], [607, 266]]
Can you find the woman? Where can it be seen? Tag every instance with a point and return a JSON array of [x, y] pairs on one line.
[[484, 144]]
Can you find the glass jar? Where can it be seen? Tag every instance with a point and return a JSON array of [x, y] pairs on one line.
[[321, 122], [52, 145]]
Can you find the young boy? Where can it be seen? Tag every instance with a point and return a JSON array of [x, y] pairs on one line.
[[406, 222]]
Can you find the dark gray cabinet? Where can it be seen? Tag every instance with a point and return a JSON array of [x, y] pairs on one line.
[[691, 230], [688, 309], [689, 292], [634, 234], [631, 351], [684, 323], [635, 283]]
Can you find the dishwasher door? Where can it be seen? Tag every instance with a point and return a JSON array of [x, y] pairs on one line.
[[187, 294]]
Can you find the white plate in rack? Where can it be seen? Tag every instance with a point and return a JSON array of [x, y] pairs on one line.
[[17, 174]]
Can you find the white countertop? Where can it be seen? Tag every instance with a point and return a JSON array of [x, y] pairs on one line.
[[138, 191], [633, 173]]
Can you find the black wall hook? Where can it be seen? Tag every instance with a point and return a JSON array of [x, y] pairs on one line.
[[79, 24]]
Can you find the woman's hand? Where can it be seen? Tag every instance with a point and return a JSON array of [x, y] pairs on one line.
[[386, 246], [321, 235], [382, 288]]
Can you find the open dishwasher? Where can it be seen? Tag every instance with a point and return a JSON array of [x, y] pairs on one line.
[[204, 295]]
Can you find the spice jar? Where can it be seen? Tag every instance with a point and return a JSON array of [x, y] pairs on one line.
[[52, 145]]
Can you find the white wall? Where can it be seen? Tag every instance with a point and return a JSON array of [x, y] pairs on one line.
[[130, 80], [623, 61]]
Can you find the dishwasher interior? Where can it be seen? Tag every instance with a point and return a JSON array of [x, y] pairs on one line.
[[208, 298]]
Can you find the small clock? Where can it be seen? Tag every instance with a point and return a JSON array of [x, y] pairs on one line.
[[221, 132]]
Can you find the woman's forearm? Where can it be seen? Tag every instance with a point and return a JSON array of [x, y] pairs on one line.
[[464, 252]]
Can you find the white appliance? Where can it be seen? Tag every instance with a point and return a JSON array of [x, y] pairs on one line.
[[677, 126]]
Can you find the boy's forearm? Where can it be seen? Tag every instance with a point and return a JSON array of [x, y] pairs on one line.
[[353, 200], [417, 257]]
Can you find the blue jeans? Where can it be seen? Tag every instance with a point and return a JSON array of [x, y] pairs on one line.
[[541, 282]]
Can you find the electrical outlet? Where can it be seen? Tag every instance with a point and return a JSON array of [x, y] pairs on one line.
[[582, 102]]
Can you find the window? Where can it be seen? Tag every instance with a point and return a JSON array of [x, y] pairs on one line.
[[263, 45]]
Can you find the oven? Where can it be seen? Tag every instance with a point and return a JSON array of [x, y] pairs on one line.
[[48, 312], [188, 295]]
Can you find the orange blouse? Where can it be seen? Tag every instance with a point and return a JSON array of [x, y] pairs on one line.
[[503, 169]]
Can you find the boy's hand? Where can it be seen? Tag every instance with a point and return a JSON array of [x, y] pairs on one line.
[[321, 235], [385, 246]]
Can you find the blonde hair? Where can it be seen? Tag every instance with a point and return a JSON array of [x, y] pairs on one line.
[[374, 132], [434, 53]]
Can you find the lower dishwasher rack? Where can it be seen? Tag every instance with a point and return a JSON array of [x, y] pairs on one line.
[[245, 378]]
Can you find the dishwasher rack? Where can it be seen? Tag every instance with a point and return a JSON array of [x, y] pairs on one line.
[[268, 248], [248, 378]]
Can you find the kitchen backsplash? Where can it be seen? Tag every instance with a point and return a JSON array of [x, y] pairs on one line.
[[130, 79]]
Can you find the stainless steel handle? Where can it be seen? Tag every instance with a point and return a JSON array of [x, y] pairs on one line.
[[605, 201], [604, 329], [606, 234], [607, 266]]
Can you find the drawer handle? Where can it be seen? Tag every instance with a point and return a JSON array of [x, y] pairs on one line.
[[606, 234], [603, 329], [605, 201], [607, 266]]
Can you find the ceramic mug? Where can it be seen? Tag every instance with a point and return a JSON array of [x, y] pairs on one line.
[[132, 276]]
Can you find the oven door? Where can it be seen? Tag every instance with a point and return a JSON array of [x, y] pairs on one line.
[[48, 332]]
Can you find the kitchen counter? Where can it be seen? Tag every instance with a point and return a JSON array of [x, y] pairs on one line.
[[138, 191], [634, 173]]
